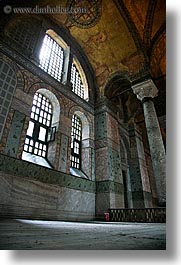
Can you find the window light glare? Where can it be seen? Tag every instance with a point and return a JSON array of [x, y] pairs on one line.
[[42, 134], [30, 128]]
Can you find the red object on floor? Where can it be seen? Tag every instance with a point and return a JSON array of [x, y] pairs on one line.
[[106, 217]]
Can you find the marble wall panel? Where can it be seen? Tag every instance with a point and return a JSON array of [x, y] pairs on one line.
[[32, 171], [100, 126], [117, 200], [14, 136], [86, 161], [114, 164], [35, 199], [102, 204], [63, 153], [112, 129], [101, 162]]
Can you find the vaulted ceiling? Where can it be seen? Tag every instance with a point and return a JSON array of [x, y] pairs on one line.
[[127, 35], [130, 35]]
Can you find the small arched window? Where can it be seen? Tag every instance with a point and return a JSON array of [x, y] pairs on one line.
[[78, 80], [76, 138], [39, 132], [52, 56], [77, 86]]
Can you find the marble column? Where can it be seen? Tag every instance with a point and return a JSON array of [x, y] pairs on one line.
[[145, 92]]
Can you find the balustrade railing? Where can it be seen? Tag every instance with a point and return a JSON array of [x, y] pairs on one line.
[[146, 215]]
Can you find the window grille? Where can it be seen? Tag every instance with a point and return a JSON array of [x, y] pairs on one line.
[[7, 87], [52, 57], [76, 137], [39, 126], [25, 34], [77, 86]]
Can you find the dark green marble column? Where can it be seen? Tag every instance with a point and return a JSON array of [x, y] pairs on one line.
[[145, 92]]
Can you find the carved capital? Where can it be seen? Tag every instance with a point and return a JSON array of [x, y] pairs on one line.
[[146, 89]]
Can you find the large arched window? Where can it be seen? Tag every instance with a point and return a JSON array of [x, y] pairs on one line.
[[39, 132], [76, 137]]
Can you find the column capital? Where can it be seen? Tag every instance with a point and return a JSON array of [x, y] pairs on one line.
[[146, 89]]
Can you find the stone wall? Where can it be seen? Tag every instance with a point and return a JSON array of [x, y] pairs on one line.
[[109, 181], [31, 191]]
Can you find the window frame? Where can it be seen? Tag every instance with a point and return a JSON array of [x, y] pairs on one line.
[[76, 81], [37, 126], [76, 142], [49, 68]]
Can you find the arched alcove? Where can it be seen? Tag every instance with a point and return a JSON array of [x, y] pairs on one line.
[[117, 90]]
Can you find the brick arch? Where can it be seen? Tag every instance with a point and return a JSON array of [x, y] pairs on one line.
[[20, 79], [40, 85], [117, 82], [82, 114]]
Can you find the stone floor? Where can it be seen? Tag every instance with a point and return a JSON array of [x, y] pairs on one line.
[[56, 235]]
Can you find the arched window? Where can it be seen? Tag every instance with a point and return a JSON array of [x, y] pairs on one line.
[[51, 57], [39, 132], [78, 80], [24, 32], [76, 137], [77, 86]]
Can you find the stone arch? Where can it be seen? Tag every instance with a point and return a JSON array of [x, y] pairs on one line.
[[55, 103], [43, 86], [84, 116], [117, 83], [57, 38], [85, 124]]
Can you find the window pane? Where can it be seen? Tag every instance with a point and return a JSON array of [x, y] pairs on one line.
[[42, 134], [51, 57], [39, 126], [30, 128], [75, 141], [77, 85]]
